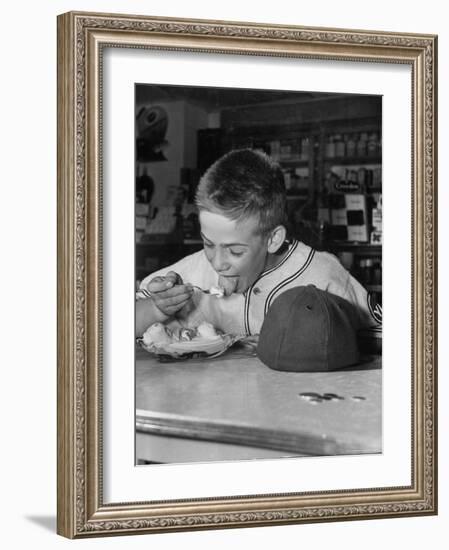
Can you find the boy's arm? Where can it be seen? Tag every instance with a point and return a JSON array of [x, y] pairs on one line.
[[147, 313], [370, 313]]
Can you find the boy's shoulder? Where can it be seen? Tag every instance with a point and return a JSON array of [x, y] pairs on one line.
[[328, 259], [319, 258]]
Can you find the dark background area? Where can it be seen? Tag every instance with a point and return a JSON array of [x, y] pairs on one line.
[[328, 145]]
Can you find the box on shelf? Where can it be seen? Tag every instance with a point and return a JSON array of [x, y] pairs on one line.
[[356, 217], [142, 209], [141, 222]]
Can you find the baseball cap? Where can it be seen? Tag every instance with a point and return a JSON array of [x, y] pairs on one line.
[[309, 330]]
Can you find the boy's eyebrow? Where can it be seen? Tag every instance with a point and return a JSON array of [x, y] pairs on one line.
[[227, 244]]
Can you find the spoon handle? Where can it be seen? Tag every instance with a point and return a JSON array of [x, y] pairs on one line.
[[201, 289]]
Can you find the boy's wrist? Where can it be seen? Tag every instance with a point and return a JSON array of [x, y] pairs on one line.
[[147, 313], [162, 317]]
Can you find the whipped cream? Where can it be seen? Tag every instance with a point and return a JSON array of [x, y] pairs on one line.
[[217, 291], [206, 330], [156, 335]]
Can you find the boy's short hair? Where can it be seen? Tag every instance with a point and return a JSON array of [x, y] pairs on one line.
[[244, 183]]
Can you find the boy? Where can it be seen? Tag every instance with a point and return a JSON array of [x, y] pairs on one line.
[[243, 217]]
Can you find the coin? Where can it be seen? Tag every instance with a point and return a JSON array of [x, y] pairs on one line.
[[332, 396], [310, 395]]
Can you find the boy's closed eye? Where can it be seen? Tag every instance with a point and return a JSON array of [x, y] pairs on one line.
[[236, 253], [233, 251]]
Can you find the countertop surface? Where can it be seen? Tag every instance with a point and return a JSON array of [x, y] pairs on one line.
[[235, 398]]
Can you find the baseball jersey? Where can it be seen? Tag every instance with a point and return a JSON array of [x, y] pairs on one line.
[[244, 313]]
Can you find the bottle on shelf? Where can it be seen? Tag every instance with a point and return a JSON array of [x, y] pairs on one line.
[[361, 178], [372, 148], [286, 150], [366, 270], [144, 187], [351, 146], [288, 181], [323, 212], [275, 149], [339, 146], [329, 151], [304, 148], [361, 144]]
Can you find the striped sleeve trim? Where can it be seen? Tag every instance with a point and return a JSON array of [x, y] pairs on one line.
[[277, 289], [293, 247], [375, 309], [247, 293], [143, 294]]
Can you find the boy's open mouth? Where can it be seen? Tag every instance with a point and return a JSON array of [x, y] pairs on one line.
[[229, 284]]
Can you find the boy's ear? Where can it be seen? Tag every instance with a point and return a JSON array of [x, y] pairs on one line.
[[276, 239]]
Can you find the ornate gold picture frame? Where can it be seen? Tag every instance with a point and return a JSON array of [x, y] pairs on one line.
[[82, 509]]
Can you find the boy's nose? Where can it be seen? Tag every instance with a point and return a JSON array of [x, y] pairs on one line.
[[219, 262]]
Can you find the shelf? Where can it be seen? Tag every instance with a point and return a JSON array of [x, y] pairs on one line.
[[299, 147], [160, 242], [294, 161], [345, 161], [304, 197], [374, 288], [188, 242], [193, 241], [358, 248]]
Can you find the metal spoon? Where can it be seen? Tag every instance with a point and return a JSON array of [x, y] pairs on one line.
[[201, 289], [208, 291]]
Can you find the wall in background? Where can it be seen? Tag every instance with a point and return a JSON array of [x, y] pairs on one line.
[[180, 151]]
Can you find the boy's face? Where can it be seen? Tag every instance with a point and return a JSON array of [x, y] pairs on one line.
[[235, 249]]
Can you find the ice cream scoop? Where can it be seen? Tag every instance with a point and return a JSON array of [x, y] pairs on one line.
[[187, 334], [206, 330], [156, 334]]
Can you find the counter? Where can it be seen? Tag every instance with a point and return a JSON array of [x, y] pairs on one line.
[[234, 407]]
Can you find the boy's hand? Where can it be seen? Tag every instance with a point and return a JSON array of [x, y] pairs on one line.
[[169, 293]]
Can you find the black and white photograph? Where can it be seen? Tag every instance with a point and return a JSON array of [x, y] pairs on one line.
[[258, 271]]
